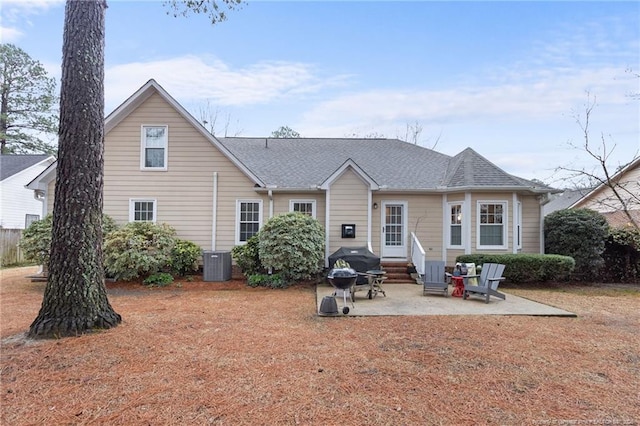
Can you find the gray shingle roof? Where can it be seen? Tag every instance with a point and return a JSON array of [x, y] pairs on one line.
[[565, 199], [12, 164], [391, 163], [470, 169]]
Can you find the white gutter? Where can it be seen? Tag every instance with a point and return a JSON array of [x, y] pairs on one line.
[[270, 194]]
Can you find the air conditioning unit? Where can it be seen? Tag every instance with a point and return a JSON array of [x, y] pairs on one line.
[[216, 265]]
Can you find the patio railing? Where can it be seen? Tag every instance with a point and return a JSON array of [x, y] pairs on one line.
[[417, 254]]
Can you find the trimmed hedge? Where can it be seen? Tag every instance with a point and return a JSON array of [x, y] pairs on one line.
[[521, 268]]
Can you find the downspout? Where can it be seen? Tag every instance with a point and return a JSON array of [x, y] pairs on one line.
[[543, 199], [214, 215], [270, 194], [40, 195], [369, 212], [327, 228]]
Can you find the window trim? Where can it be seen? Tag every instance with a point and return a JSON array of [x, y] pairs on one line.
[[450, 205], [505, 225], [132, 213], [143, 147], [303, 201], [30, 218], [237, 220]]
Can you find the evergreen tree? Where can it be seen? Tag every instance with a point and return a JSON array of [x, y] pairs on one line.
[[27, 110]]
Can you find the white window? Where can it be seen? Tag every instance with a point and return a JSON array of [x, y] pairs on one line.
[[142, 210], [154, 147], [30, 218], [248, 219], [492, 225], [303, 206], [454, 211]]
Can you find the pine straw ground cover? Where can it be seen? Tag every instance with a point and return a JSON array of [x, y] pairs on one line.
[[227, 354]]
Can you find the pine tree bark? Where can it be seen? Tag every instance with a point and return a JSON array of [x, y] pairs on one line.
[[75, 299]]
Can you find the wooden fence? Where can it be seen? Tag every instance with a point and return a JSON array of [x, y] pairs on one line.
[[10, 252]]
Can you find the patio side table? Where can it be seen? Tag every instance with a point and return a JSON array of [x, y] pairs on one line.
[[458, 282]]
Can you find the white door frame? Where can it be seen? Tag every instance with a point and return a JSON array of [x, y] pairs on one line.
[[396, 251]]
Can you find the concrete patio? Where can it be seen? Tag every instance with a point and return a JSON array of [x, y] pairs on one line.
[[408, 299]]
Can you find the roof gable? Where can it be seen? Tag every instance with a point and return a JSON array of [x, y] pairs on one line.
[[151, 87], [349, 164]]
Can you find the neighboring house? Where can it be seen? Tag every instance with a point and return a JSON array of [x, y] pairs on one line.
[[18, 207], [563, 199], [602, 199], [403, 201]]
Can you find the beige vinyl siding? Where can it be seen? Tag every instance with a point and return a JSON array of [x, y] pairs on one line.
[[348, 205], [530, 224], [281, 202], [51, 190], [184, 193], [630, 181], [424, 218]]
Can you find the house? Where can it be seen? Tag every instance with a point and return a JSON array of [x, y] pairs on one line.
[[602, 198], [563, 199], [18, 207], [404, 201]]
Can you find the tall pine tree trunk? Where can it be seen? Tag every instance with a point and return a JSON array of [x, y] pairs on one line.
[[75, 299]]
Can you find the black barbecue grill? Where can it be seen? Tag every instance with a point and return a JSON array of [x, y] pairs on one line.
[[343, 279]]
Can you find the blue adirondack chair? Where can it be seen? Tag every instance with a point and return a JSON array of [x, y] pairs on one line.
[[488, 282]]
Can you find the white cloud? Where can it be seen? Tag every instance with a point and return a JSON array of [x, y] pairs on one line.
[[10, 35], [193, 77], [14, 15], [16, 11], [548, 95]]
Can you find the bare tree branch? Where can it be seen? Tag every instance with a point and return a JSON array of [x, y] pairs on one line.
[[623, 194]]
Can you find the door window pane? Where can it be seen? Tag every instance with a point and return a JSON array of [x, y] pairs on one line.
[[393, 227]]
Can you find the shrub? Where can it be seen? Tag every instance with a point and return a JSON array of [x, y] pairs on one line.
[[581, 234], [267, 280], [292, 244], [138, 249], [36, 239], [159, 279], [247, 256], [184, 256], [520, 268], [622, 256]]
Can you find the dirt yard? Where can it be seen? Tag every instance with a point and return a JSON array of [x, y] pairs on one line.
[[225, 354]]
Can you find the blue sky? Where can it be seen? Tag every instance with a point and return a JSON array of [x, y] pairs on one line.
[[505, 78]]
